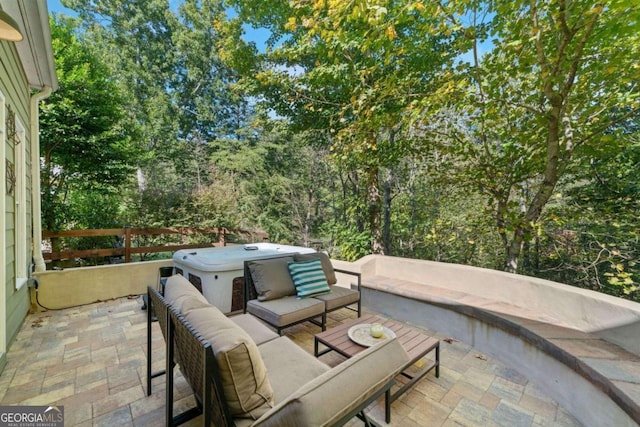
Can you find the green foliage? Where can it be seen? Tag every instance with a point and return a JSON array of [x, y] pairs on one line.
[[215, 205], [500, 134], [446, 224], [515, 119], [135, 38], [592, 238], [350, 244], [273, 180], [85, 141], [349, 72], [179, 91], [160, 205], [209, 106]]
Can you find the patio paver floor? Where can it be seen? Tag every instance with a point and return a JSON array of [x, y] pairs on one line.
[[91, 359]]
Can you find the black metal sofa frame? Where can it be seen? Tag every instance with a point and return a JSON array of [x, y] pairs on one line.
[[165, 315]]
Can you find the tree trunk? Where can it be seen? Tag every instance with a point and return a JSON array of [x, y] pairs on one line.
[[361, 220], [413, 215], [386, 211], [387, 199], [375, 203], [307, 219], [513, 251], [48, 214]]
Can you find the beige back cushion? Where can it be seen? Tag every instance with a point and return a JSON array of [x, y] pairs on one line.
[[334, 394], [324, 260], [244, 376], [271, 278], [178, 290]]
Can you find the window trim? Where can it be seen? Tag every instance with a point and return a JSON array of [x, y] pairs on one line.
[[3, 229]]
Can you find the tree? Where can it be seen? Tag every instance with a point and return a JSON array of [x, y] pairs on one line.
[[559, 78], [86, 142], [208, 104], [593, 240], [277, 179], [349, 71], [179, 90], [135, 39]]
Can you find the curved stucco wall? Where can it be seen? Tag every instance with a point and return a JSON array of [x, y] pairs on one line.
[[610, 318], [583, 399]]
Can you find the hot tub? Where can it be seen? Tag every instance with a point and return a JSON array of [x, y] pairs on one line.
[[219, 272]]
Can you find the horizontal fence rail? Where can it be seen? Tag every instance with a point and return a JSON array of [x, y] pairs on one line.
[[127, 234]]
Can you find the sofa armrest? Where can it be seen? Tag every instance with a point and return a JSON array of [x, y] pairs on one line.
[[332, 396], [352, 273]]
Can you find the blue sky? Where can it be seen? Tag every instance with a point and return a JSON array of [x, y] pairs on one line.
[[56, 7], [257, 35]]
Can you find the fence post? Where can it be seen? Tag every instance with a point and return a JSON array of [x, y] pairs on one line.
[[127, 244]]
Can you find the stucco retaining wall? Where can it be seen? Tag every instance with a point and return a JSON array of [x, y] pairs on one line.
[[76, 286], [610, 318], [585, 401]]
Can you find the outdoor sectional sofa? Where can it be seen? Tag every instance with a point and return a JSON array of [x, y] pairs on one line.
[[273, 295], [244, 374]]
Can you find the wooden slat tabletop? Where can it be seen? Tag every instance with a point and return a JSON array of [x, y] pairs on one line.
[[415, 343]]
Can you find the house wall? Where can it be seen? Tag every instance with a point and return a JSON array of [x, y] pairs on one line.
[[14, 297]]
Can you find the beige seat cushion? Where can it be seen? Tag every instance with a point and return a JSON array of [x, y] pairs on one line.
[[338, 297], [331, 396], [243, 373], [326, 264], [258, 331], [287, 310], [271, 278], [289, 366], [178, 290]]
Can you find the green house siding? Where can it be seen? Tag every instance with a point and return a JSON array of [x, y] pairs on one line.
[[17, 310], [16, 92]]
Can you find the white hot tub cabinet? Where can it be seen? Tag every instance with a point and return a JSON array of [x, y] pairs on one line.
[[219, 272]]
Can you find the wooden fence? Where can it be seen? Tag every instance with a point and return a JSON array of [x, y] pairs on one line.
[[127, 235]]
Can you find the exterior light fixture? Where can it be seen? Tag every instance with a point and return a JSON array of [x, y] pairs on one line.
[[9, 29]]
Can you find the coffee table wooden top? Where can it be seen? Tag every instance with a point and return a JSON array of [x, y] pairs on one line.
[[414, 342]]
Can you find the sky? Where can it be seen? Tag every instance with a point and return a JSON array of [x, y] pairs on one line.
[[257, 35], [56, 7]]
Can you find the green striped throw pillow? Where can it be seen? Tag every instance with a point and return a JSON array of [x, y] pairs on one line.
[[308, 278]]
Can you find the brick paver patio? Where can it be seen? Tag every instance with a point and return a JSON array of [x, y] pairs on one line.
[[91, 359]]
